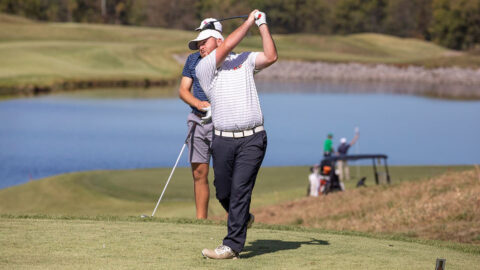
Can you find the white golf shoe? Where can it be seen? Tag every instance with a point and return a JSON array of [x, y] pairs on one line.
[[221, 252]]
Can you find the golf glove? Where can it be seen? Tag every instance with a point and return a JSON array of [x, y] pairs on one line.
[[260, 18], [207, 117]]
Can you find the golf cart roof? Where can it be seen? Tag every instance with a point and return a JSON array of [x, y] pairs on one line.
[[354, 157]]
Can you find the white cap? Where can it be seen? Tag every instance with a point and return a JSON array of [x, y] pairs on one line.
[[202, 36], [214, 22], [343, 140]]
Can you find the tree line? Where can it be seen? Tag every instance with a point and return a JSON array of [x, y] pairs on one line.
[[452, 23]]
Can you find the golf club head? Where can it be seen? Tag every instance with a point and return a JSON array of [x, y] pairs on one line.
[[144, 216]]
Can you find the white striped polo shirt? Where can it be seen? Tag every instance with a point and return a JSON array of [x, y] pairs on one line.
[[231, 91]]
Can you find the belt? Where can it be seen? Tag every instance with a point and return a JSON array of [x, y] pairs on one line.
[[199, 114], [239, 134]]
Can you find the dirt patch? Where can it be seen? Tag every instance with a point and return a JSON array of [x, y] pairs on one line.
[[445, 208]]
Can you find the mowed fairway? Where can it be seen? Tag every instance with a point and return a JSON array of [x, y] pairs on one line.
[[45, 54], [87, 244]]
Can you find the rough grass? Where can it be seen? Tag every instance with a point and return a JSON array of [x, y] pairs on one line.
[[445, 207], [140, 244], [52, 54]]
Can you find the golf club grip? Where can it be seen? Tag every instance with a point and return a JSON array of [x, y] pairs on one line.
[[192, 129]]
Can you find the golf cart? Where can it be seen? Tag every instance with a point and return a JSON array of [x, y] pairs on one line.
[[332, 180]]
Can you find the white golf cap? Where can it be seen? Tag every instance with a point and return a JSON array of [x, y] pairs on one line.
[[214, 25], [343, 140], [202, 36]]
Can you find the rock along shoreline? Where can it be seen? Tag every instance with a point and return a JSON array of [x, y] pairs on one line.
[[448, 82]]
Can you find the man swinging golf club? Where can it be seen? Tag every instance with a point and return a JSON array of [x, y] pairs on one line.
[[239, 141], [200, 129]]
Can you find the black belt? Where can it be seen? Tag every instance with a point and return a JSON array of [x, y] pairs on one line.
[[199, 114]]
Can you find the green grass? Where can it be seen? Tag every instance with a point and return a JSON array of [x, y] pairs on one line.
[[50, 54], [91, 220], [139, 244], [135, 192]]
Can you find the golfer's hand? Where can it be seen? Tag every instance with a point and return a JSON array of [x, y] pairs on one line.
[[260, 18], [201, 105], [251, 17], [208, 116]]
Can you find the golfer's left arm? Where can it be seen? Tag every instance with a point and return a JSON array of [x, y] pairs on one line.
[[187, 96], [269, 54]]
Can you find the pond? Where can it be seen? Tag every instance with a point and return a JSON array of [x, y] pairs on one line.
[[56, 134]]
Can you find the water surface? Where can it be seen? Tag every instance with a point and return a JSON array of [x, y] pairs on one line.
[[50, 135]]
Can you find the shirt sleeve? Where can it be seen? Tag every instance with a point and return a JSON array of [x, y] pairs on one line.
[[251, 61], [186, 68], [206, 70]]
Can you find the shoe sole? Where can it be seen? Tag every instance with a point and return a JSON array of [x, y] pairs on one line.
[[208, 258]]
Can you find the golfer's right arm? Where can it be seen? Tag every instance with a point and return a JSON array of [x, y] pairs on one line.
[[269, 54], [234, 39], [186, 95]]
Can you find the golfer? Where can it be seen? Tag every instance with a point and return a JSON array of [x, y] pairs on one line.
[[201, 130], [343, 169], [239, 141]]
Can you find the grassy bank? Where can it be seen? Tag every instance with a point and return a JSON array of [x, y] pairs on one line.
[[42, 57], [444, 207], [135, 192], [138, 244]]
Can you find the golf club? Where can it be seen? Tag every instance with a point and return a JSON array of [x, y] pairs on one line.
[[171, 173], [211, 26], [357, 150]]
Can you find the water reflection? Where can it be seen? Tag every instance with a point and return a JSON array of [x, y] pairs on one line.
[[121, 93]]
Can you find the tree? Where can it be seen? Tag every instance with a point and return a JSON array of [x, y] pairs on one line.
[[354, 16], [406, 18], [456, 23]]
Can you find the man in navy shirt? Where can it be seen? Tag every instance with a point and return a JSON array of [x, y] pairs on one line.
[[344, 170], [201, 130]]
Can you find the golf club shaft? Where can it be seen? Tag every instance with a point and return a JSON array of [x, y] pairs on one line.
[[234, 17], [194, 125], [170, 177]]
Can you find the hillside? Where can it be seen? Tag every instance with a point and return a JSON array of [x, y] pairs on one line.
[[135, 192], [41, 57], [445, 207]]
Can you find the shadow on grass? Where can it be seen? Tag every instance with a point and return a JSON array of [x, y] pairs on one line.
[[260, 247]]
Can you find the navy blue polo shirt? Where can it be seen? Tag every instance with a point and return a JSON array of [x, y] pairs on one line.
[[343, 148], [189, 71]]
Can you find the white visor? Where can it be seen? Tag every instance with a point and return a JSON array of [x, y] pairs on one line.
[[202, 36], [343, 140], [211, 23]]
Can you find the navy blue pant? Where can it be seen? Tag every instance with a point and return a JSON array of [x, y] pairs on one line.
[[236, 162]]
